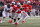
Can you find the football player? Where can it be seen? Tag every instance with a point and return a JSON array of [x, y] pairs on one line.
[[28, 7], [8, 11], [2, 14], [18, 12], [25, 8], [13, 10]]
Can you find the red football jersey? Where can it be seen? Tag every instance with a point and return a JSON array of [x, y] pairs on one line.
[[14, 8], [18, 9], [27, 8]]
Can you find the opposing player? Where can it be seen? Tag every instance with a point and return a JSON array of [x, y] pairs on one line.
[[8, 11], [25, 8], [2, 14]]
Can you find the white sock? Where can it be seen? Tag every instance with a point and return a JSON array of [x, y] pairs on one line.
[[7, 14], [10, 19], [25, 18], [1, 19]]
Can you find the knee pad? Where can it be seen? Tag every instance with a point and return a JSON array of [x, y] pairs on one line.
[[9, 16], [14, 20], [18, 18]]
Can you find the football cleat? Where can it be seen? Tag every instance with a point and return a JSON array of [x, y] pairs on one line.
[[10, 21], [16, 23], [22, 22]]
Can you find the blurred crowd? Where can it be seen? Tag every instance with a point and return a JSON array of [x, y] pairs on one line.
[[35, 4]]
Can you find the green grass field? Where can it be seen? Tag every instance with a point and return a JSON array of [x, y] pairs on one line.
[[30, 22]]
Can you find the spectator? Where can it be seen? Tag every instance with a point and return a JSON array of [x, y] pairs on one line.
[[8, 1], [33, 11], [1, 4], [34, 4], [36, 11], [1, 7]]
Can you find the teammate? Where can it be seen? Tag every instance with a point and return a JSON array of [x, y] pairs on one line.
[[18, 12], [14, 9], [26, 8]]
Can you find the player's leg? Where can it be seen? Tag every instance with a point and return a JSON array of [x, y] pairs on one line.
[[3, 16], [18, 21], [19, 15], [22, 16], [7, 14], [15, 16], [26, 16], [10, 16]]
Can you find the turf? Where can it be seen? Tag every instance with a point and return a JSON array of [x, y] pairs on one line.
[[30, 22]]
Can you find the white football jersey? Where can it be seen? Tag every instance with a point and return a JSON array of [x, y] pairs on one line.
[[5, 8]]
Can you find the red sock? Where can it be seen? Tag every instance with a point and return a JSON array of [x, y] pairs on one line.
[[10, 21]]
